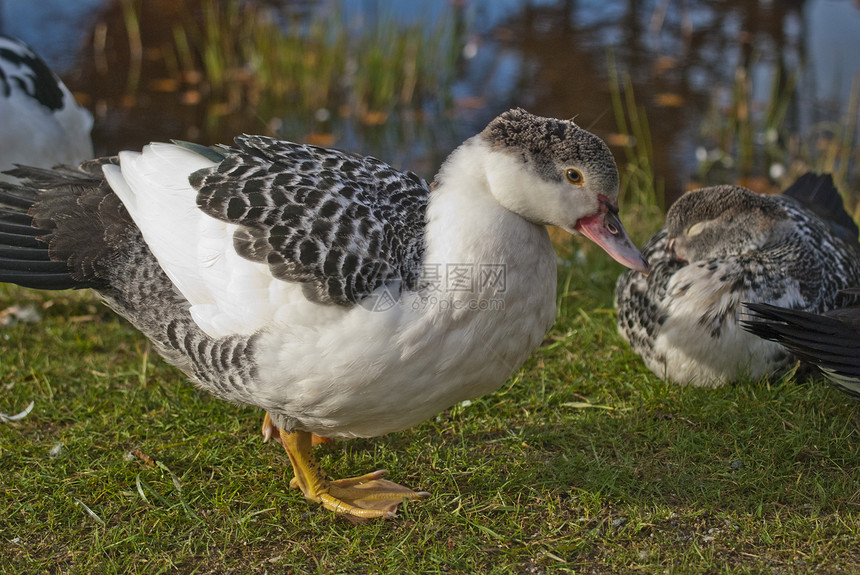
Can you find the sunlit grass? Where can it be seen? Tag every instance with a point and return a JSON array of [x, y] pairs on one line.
[[582, 462], [641, 190], [640, 185]]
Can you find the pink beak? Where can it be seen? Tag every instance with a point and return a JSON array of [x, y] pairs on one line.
[[606, 230]]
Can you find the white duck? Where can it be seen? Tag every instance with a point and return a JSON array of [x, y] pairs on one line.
[[42, 125], [341, 296]]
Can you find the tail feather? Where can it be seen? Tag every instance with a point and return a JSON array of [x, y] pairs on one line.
[[24, 254], [15, 198], [828, 341], [52, 234], [33, 266], [48, 281], [15, 218], [18, 240], [19, 227]]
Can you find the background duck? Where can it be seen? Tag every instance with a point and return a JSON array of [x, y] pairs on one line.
[[42, 125], [341, 296], [829, 341], [726, 245]]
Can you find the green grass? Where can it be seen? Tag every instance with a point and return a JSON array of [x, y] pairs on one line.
[[582, 463]]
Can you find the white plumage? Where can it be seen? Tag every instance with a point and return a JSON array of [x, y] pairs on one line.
[[42, 125]]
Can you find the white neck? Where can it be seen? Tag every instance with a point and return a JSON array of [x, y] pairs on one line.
[[466, 224], [469, 230]]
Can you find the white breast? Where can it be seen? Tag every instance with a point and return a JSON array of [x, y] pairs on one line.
[[372, 372]]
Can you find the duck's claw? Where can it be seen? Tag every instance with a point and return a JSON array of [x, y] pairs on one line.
[[364, 497]]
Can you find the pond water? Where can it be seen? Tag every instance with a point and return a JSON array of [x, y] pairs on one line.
[[146, 70]]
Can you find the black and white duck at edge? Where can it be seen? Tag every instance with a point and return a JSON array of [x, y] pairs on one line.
[[725, 246], [251, 267], [42, 125]]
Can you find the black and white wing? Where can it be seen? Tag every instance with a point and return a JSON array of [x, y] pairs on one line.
[[639, 298], [340, 224], [250, 234], [818, 194]]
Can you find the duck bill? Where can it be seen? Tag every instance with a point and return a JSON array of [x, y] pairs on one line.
[[606, 230]]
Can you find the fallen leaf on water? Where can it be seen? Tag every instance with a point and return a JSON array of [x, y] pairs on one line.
[[164, 85], [190, 97], [326, 140], [374, 118], [621, 140], [669, 100]]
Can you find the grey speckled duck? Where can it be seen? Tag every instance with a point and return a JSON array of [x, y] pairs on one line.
[[341, 296], [829, 341], [723, 246]]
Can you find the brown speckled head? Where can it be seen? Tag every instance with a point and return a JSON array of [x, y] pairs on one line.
[[722, 220], [547, 144], [552, 172]]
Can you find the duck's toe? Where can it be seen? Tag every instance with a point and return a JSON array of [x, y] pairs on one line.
[[364, 497]]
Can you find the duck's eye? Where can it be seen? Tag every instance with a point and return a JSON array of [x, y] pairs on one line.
[[574, 176], [695, 229]]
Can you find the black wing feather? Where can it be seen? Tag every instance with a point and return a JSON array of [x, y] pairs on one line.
[[830, 341]]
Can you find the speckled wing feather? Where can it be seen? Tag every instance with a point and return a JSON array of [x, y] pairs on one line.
[[638, 297], [42, 125], [818, 193], [23, 70], [340, 224], [822, 261]]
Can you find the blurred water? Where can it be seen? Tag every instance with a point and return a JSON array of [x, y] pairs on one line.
[[548, 56]]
